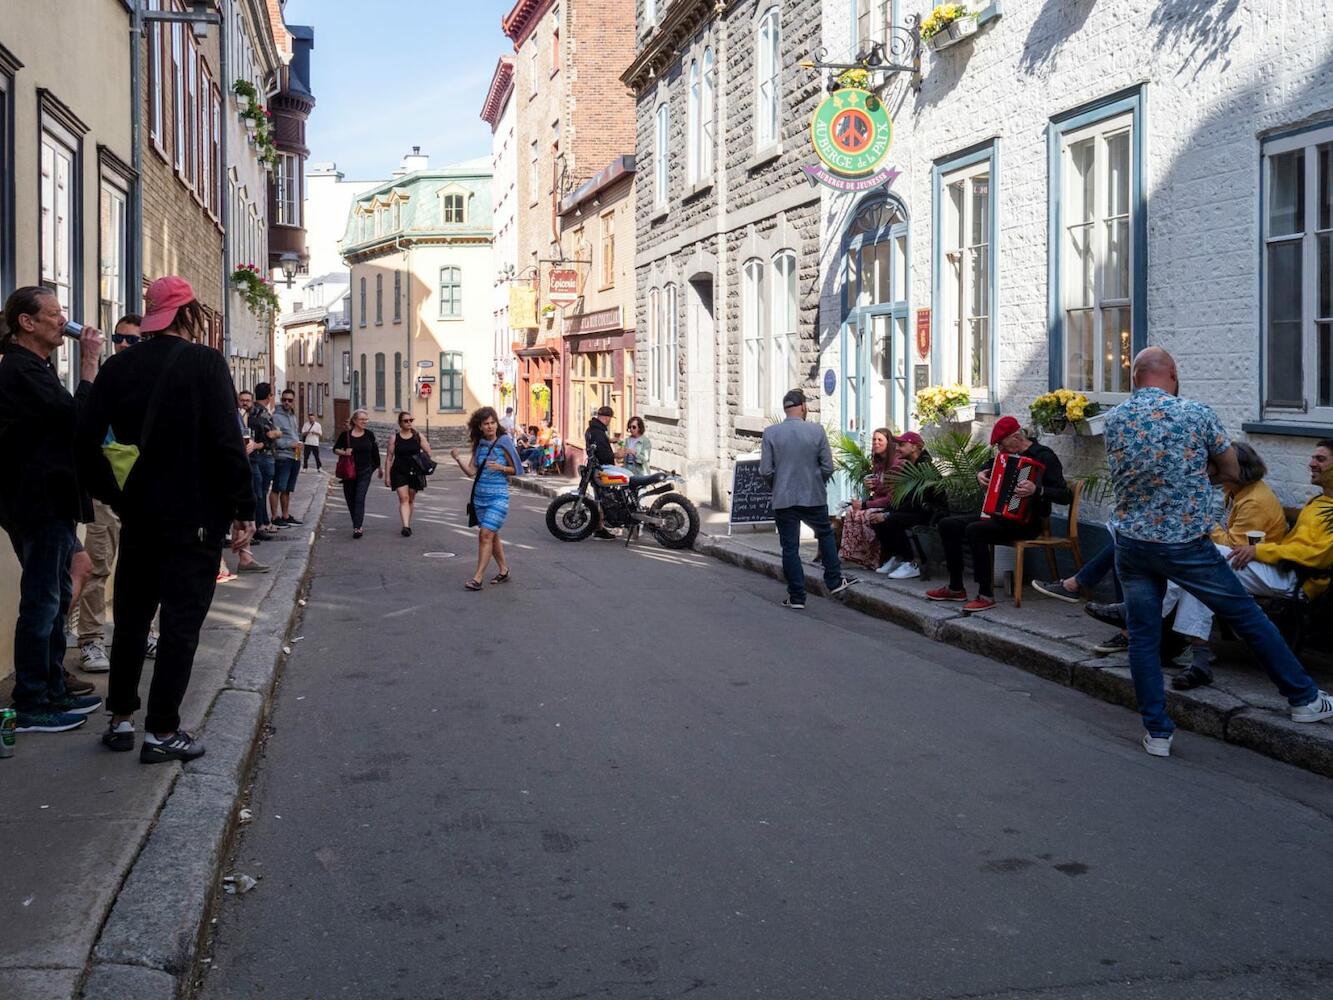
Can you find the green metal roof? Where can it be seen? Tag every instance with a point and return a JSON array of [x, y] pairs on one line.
[[421, 207]]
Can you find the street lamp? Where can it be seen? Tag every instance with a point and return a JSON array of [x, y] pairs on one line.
[[289, 262]]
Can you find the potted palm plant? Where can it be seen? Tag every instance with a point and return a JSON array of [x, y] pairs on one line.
[[951, 474], [854, 461]]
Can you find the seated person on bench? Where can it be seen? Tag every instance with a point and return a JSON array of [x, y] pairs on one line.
[[980, 533], [1269, 568]]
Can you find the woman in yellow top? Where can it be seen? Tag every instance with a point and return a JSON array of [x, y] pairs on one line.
[[1251, 506]]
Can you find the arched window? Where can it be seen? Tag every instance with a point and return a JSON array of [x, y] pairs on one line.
[[768, 60], [451, 293], [379, 298], [379, 381], [670, 345], [753, 302], [661, 156], [693, 123], [655, 345], [397, 381], [363, 300], [783, 338], [707, 126]]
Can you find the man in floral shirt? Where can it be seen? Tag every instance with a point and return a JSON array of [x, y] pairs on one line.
[[1157, 448]]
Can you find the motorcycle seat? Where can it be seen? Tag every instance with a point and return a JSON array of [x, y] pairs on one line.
[[649, 480]]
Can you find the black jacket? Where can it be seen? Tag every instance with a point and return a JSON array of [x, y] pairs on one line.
[[598, 443], [38, 417], [1053, 488], [192, 472]]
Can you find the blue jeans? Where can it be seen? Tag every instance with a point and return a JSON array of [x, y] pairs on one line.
[[1198, 567], [1097, 567], [789, 521], [45, 589], [261, 478]]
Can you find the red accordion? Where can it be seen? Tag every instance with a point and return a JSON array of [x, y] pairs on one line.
[[1007, 472]]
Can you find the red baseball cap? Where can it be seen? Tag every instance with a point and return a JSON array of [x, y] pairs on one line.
[[163, 298], [1003, 428]]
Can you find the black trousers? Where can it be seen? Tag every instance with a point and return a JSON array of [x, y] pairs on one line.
[[354, 492], [979, 534], [306, 452], [892, 532], [179, 577]]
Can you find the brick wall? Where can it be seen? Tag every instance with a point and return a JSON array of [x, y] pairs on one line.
[[180, 236]]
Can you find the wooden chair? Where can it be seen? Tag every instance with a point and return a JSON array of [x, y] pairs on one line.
[[1048, 543]]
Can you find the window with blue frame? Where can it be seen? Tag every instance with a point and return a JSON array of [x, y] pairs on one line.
[[965, 270], [1098, 246], [1297, 274]]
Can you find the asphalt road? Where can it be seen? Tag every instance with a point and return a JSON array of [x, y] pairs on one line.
[[629, 773]]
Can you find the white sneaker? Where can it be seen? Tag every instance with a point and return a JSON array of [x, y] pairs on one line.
[[907, 571], [92, 658], [1157, 746], [1320, 708], [893, 563], [150, 650]]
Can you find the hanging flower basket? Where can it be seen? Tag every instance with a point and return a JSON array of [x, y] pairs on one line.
[[1093, 426], [1061, 412], [948, 24], [945, 404], [258, 292]]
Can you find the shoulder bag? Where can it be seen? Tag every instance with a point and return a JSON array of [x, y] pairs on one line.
[[423, 462], [471, 506], [123, 457], [346, 467]]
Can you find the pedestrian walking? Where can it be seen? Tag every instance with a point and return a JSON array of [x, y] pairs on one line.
[[245, 558], [101, 540], [797, 463], [41, 499], [286, 466], [403, 472], [357, 444], [263, 458], [1158, 447], [311, 433], [492, 461], [189, 482]]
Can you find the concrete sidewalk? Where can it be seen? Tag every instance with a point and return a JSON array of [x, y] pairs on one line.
[[84, 830], [1048, 638]]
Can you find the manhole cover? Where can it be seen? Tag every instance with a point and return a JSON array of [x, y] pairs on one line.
[[438, 555]]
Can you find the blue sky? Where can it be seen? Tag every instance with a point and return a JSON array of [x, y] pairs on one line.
[[394, 74]]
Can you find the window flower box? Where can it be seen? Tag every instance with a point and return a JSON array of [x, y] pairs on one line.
[[1093, 426]]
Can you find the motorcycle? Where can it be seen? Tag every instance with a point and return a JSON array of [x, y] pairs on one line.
[[623, 498]]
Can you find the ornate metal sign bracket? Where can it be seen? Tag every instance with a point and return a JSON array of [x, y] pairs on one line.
[[900, 52]]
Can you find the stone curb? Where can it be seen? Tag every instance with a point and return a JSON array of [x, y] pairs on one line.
[[1206, 711], [149, 945]]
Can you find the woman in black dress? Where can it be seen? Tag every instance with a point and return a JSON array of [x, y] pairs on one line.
[[403, 473], [358, 442]]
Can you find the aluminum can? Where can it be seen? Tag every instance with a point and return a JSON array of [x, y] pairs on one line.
[[72, 330], [9, 722]]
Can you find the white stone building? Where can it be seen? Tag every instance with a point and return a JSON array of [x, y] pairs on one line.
[[498, 113], [1079, 180]]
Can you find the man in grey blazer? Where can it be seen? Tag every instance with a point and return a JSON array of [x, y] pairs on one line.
[[797, 463]]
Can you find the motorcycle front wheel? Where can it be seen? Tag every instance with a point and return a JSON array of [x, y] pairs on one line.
[[680, 519], [571, 518]]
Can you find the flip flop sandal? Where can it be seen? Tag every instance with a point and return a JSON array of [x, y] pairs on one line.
[[500, 578], [472, 585]]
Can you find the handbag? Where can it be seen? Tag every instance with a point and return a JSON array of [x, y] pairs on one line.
[[346, 467], [123, 457], [424, 463], [471, 506]]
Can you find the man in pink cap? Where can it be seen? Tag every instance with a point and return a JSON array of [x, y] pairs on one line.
[[979, 533], [173, 400]]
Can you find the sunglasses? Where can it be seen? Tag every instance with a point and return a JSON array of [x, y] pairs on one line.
[[125, 338], [408, 420]]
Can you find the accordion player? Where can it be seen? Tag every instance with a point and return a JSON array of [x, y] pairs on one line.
[[1008, 471]]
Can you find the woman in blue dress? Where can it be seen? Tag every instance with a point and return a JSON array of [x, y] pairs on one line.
[[493, 460]]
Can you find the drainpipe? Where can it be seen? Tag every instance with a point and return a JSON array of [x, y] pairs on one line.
[[135, 263], [224, 201]]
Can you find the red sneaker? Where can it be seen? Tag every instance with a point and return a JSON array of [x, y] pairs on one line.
[[945, 594], [978, 603]]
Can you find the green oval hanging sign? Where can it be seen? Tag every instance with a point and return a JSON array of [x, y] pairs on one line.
[[851, 132]]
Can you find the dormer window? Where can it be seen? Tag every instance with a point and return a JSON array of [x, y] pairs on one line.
[[454, 209]]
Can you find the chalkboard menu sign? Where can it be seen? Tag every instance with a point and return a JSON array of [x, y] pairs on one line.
[[751, 497]]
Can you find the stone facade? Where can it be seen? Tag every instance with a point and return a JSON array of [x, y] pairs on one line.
[[1214, 88], [692, 245]]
